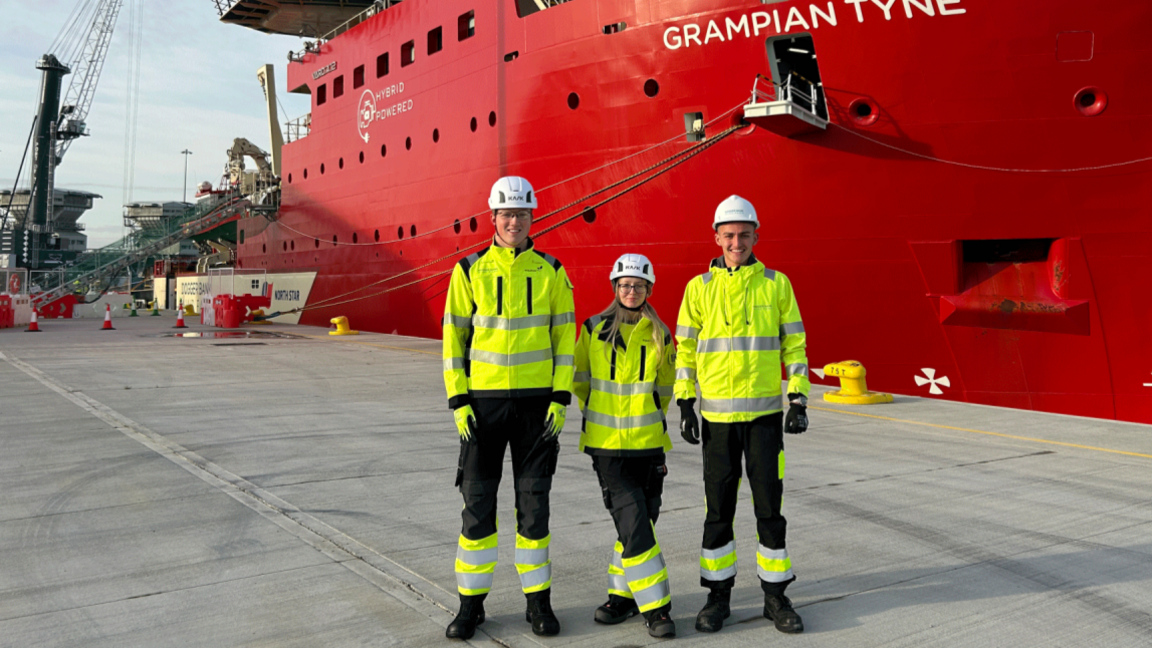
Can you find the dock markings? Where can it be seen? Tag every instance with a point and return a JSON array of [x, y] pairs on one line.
[[371, 344], [385, 574], [986, 432]]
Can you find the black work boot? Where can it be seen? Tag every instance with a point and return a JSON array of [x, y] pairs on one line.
[[712, 615], [471, 615], [659, 623], [617, 610], [778, 608], [540, 615]]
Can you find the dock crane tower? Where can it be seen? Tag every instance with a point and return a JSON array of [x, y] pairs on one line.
[[84, 45]]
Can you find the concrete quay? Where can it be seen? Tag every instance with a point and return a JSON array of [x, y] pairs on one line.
[[297, 490]]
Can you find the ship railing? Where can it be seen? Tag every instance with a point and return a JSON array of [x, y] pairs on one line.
[[764, 90], [372, 10], [298, 128]]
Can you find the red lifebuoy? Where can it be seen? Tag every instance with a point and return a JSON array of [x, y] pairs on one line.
[[13, 284]]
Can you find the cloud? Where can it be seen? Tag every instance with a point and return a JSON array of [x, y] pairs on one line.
[[197, 91]]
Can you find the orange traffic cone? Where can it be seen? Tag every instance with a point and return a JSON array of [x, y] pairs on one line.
[[33, 326], [108, 319], [180, 317]]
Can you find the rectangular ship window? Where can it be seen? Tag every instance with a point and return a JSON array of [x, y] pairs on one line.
[[321, 94], [382, 65], [408, 53], [358, 77], [435, 40], [338, 86], [1007, 250], [529, 7], [466, 25]]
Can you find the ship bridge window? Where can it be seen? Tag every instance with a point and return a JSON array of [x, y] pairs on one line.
[[435, 40], [358, 77], [793, 62], [408, 53], [338, 86], [529, 7], [466, 25], [321, 94], [382, 65]]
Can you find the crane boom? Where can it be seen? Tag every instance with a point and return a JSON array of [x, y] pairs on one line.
[[86, 75]]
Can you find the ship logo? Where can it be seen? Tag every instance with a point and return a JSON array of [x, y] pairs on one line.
[[366, 114], [933, 381]]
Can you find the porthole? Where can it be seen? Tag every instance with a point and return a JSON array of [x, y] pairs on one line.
[[1091, 101], [400, 232], [377, 236], [412, 230], [435, 135], [651, 88], [573, 100], [289, 178], [284, 245], [383, 150], [341, 163], [305, 173], [472, 224], [456, 226], [492, 118], [408, 143], [317, 242], [334, 242], [863, 111], [589, 215], [292, 246], [473, 124], [264, 248], [361, 157], [321, 169], [355, 238]]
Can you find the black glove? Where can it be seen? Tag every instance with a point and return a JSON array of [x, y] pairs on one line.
[[797, 420], [689, 424]]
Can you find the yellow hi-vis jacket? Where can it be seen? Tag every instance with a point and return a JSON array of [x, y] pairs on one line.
[[624, 388], [736, 327], [509, 327]]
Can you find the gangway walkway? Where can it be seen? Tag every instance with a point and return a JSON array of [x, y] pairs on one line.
[[99, 266]]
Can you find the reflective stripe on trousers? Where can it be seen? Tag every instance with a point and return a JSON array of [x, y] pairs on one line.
[[533, 564], [718, 564], [475, 565], [647, 577], [617, 584], [773, 565]]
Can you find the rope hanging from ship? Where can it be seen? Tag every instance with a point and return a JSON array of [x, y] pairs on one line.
[[659, 168]]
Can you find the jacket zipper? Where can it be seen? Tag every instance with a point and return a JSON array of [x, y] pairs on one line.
[[612, 375], [643, 356], [499, 295], [529, 295]]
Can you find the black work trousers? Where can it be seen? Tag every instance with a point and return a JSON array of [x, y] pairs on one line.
[[631, 488], [760, 443], [504, 422]]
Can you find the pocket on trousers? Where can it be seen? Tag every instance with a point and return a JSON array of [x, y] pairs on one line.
[[553, 458], [460, 465]]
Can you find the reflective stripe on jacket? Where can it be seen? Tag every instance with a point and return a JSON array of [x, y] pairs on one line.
[[624, 388], [509, 327], [735, 329]]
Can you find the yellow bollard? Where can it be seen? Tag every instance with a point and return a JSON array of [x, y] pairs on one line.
[[853, 387], [341, 324], [259, 312]]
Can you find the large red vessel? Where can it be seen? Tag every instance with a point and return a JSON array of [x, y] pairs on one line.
[[962, 202]]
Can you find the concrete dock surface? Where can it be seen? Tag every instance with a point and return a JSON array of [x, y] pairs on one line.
[[298, 491]]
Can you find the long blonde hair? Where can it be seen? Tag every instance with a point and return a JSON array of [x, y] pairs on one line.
[[615, 313]]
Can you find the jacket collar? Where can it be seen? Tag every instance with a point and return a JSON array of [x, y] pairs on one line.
[[718, 262], [607, 323], [516, 252]]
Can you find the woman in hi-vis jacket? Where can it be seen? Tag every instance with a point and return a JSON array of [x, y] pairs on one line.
[[625, 370]]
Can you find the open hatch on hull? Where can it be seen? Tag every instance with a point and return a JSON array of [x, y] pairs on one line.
[[791, 102]]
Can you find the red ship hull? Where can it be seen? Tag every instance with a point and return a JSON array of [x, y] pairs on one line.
[[885, 239]]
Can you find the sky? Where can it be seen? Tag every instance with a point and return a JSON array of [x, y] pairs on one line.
[[197, 91]]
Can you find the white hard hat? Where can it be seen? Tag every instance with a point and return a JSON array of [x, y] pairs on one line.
[[633, 265], [512, 192], [735, 209]]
